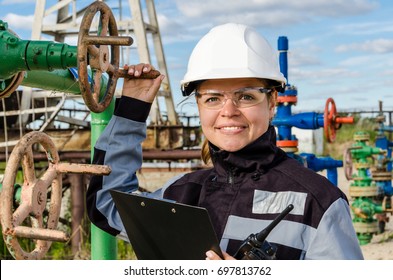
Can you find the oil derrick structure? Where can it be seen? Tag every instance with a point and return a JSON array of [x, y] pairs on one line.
[[67, 25]]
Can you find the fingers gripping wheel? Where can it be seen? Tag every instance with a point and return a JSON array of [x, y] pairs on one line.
[[39, 196], [94, 51], [329, 120]]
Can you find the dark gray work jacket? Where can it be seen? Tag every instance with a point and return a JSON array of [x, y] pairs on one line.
[[243, 192]]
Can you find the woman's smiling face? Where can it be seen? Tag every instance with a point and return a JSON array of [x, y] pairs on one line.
[[231, 128]]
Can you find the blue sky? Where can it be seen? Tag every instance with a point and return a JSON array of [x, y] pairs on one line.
[[337, 48]]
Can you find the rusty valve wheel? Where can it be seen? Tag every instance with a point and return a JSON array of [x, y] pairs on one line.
[[34, 205], [93, 51], [33, 199], [331, 121], [348, 164]]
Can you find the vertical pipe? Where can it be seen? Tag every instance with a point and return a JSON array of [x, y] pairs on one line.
[[283, 51], [103, 245], [77, 210], [283, 110], [332, 176]]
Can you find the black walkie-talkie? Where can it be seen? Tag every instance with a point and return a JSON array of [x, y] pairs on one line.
[[255, 246]]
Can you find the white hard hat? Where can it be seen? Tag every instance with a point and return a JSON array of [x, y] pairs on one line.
[[232, 51]]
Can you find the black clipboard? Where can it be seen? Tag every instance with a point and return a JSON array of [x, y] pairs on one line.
[[164, 230]]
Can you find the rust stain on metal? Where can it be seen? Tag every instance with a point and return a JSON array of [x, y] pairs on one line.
[[83, 168]]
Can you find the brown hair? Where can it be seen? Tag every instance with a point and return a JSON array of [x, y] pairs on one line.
[[205, 152]]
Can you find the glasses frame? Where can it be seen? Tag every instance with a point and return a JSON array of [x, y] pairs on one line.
[[262, 90]]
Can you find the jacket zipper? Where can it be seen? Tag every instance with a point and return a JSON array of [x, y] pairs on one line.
[[231, 176]]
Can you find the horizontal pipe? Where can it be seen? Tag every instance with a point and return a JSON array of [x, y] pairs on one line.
[[40, 233], [147, 155], [108, 40], [172, 154], [65, 167]]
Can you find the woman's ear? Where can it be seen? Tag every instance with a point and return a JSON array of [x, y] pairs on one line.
[[272, 103]]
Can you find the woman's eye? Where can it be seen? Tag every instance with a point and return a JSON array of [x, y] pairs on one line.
[[212, 99], [246, 97]]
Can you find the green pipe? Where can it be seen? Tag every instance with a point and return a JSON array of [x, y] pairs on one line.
[[18, 55], [103, 245], [47, 55], [56, 80]]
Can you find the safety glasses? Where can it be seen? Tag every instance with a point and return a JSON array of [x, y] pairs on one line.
[[241, 98]]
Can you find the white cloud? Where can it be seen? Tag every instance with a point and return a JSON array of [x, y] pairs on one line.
[[379, 46], [357, 61], [13, 2], [298, 58], [189, 20], [15, 21], [388, 73], [364, 28], [171, 31], [369, 62], [322, 75], [272, 12]]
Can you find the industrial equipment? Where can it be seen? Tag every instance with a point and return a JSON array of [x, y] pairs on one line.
[[368, 199], [31, 217], [92, 58], [284, 120], [51, 65]]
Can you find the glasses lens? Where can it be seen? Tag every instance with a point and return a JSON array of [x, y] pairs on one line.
[[211, 100], [241, 98]]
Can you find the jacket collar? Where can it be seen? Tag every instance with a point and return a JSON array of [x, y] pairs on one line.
[[259, 155]]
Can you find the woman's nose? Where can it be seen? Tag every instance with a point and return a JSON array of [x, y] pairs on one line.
[[229, 108]]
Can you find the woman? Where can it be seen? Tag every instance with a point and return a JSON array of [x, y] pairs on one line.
[[234, 75]]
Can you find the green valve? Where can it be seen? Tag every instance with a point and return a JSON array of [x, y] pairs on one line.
[[3, 25], [364, 190]]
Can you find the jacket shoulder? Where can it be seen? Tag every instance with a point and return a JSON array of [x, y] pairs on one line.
[[312, 182]]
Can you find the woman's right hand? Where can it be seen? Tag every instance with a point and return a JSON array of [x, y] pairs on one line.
[[211, 255], [142, 89]]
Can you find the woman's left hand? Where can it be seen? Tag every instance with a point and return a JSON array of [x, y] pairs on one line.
[[142, 89], [211, 255]]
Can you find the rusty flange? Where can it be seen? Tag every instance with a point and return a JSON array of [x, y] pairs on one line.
[[366, 191], [381, 176], [366, 227]]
